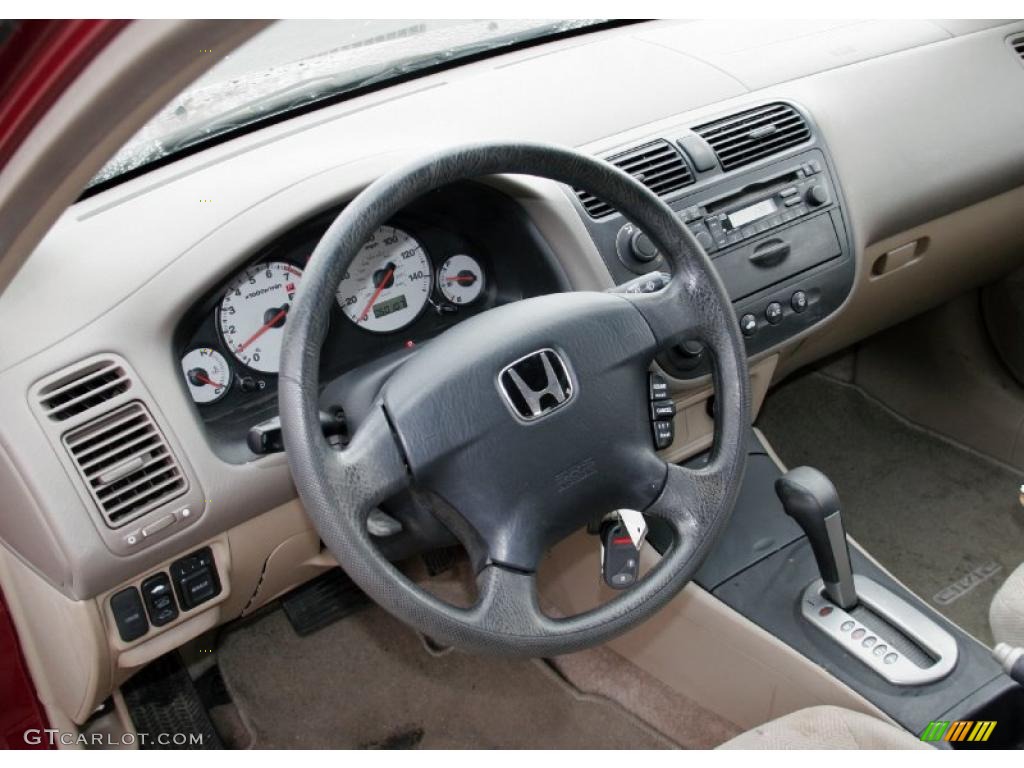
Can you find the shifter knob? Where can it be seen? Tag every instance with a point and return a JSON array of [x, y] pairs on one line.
[[811, 500]]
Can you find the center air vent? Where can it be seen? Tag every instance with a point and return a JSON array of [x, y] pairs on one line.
[[741, 139], [83, 389], [657, 165], [126, 464]]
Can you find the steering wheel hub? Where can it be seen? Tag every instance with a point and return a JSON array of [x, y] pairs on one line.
[[525, 481]]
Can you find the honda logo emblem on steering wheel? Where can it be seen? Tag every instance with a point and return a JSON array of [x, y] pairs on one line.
[[536, 385]]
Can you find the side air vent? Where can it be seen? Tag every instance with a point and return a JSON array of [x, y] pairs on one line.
[[743, 138], [126, 463], [657, 165], [83, 389], [1017, 44]]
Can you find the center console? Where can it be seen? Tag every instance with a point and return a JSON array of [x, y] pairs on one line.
[[766, 567], [771, 220]]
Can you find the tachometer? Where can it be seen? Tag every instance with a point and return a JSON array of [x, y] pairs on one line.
[[388, 282], [460, 279], [254, 310], [207, 374]]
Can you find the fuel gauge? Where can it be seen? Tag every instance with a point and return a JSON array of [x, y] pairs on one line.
[[461, 279], [207, 374]]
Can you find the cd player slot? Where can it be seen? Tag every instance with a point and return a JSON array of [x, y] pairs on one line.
[[751, 193]]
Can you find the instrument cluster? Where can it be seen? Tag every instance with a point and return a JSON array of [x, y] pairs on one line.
[[456, 253]]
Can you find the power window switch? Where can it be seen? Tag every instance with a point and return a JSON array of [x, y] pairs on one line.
[[663, 410], [129, 615], [664, 434]]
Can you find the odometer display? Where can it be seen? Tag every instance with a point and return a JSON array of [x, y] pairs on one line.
[[388, 283], [382, 308], [254, 310]]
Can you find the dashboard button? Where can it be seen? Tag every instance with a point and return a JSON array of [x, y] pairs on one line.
[[195, 578], [748, 324], [773, 313], [129, 615], [159, 599], [799, 301], [705, 240]]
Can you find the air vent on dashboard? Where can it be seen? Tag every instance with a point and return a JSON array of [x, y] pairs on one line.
[[83, 389], [126, 463], [1017, 44], [741, 139], [657, 165]]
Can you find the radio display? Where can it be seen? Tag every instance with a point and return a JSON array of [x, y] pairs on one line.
[[751, 213]]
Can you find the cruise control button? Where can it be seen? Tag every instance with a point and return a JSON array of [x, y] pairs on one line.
[[662, 410], [773, 313], [659, 388], [799, 301], [664, 434]]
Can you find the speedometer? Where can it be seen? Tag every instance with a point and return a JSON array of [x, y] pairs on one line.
[[388, 283], [254, 310]]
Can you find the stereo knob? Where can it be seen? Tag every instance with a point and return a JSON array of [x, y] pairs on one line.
[[642, 247], [817, 195]]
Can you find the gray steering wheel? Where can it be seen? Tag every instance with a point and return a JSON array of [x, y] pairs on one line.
[[513, 474]]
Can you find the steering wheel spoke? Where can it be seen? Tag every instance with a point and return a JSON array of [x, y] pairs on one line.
[[508, 602], [369, 470], [673, 313], [690, 497]]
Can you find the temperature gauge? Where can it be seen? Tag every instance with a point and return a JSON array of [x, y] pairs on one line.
[[460, 279], [207, 374]]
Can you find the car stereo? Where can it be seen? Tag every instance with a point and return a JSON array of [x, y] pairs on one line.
[[777, 236]]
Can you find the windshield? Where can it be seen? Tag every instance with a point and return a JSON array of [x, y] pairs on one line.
[[294, 64]]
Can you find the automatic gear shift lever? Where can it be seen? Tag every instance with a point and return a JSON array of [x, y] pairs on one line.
[[810, 498]]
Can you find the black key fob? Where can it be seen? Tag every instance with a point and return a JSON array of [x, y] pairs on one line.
[[620, 560]]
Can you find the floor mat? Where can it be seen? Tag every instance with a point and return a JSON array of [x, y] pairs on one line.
[[368, 681], [945, 520], [164, 704]]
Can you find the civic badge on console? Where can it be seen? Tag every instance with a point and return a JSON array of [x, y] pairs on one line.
[[536, 385]]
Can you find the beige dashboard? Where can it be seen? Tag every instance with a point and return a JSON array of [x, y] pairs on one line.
[[923, 121]]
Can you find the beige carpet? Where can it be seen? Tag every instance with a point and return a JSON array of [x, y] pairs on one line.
[[368, 681]]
